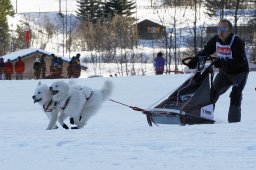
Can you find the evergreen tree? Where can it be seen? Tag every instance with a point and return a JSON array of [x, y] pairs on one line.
[[107, 10], [214, 6], [89, 10], [5, 10], [120, 7]]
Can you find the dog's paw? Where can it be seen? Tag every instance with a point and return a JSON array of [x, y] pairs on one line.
[[65, 126], [74, 127], [71, 120], [49, 128]]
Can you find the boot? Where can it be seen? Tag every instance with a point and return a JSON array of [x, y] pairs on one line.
[[234, 114]]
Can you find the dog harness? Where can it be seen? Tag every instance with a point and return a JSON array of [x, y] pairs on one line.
[[87, 98], [66, 103], [46, 107]]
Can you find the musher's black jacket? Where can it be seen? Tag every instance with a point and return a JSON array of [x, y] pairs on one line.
[[238, 64]]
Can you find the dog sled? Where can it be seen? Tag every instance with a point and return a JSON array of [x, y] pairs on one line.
[[189, 104]]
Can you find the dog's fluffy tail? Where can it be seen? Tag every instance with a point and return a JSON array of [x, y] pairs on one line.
[[107, 90]]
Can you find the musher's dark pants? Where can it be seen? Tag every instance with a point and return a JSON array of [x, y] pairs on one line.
[[222, 83]]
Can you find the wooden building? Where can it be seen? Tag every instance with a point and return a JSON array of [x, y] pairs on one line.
[[150, 30], [28, 56]]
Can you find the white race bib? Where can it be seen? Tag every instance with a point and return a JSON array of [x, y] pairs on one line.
[[224, 51]]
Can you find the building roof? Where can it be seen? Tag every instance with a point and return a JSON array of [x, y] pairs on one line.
[[150, 20], [27, 52]]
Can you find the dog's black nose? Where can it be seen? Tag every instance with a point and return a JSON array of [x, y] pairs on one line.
[[50, 88], [33, 97]]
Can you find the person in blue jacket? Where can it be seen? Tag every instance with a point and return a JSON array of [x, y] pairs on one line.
[[159, 63]]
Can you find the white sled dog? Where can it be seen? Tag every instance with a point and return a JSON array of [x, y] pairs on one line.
[[43, 97], [80, 103]]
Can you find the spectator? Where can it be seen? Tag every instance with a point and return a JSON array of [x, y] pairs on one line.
[[54, 67], [74, 68], [1, 68], [8, 70], [69, 69], [78, 57], [52, 60], [37, 68], [43, 64], [78, 66], [59, 67], [159, 63], [19, 69]]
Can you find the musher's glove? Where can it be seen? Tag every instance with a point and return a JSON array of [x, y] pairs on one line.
[[219, 62], [192, 63]]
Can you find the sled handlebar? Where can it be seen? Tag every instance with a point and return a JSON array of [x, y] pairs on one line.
[[205, 58], [201, 61], [186, 59]]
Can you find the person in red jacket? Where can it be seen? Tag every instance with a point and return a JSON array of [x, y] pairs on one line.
[[19, 69], [1, 68], [8, 70]]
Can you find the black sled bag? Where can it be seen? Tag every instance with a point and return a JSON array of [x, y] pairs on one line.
[[188, 104]]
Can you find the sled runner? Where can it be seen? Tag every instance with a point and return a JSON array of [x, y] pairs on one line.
[[188, 104]]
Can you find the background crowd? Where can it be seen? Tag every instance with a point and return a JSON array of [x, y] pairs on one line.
[[8, 70]]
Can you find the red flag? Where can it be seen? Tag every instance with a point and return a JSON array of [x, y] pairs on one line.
[[27, 34]]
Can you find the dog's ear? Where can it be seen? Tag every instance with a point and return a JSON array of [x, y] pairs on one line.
[[39, 83]]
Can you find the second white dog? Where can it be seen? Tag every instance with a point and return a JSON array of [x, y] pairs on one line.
[[79, 103]]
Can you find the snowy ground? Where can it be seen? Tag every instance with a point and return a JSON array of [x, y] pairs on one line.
[[118, 138]]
